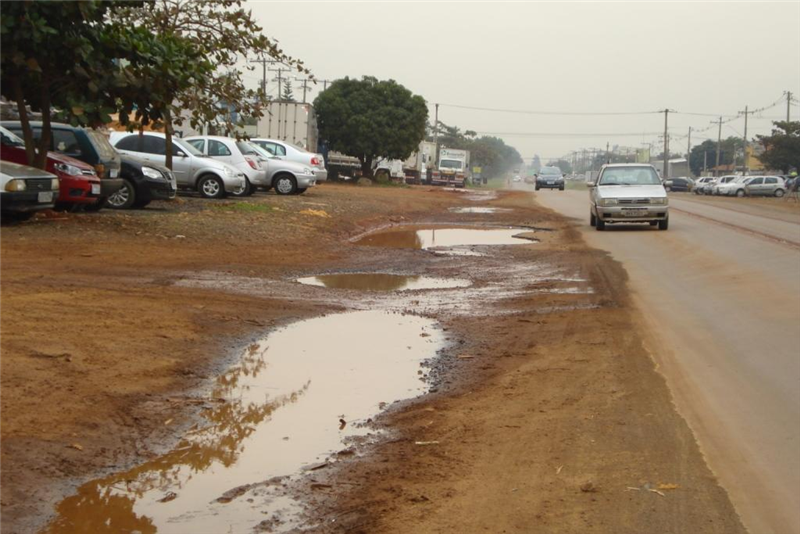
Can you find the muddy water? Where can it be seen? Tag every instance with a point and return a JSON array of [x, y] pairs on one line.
[[275, 412], [441, 238], [382, 282], [479, 209]]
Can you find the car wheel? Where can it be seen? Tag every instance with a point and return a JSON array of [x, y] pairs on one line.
[[779, 193], [16, 216], [592, 219], [740, 193], [663, 225], [561, 188], [246, 191], [536, 188], [124, 198], [211, 186], [285, 184], [600, 225]]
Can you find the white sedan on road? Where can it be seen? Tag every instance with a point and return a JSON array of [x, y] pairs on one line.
[[628, 193]]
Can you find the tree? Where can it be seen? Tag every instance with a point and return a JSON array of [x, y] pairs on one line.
[[223, 33], [369, 118], [782, 148], [562, 164], [707, 152], [63, 56], [288, 93]]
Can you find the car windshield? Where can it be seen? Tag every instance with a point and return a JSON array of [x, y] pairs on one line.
[[450, 164], [550, 171], [187, 147], [260, 151], [247, 149], [10, 139], [101, 144], [629, 176]]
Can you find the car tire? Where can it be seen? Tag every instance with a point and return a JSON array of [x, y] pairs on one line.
[[779, 193], [600, 225], [536, 188], [16, 216], [124, 198], [285, 184], [740, 193], [211, 186], [592, 219], [246, 191], [663, 225], [561, 188]]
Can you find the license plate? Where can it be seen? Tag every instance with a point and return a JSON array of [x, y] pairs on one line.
[[114, 173], [45, 197], [95, 189], [550, 182], [634, 213]]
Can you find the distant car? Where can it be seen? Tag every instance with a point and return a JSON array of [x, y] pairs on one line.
[[298, 154], [142, 182], [79, 185], [84, 144], [550, 178], [287, 177], [722, 180], [735, 187], [240, 154], [25, 190], [193, 169], [628, 193], [516, 179], [765, 186], [680, 183], [701, 184]]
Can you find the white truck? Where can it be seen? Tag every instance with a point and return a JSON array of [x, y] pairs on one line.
[[417, 165], [453, 168]]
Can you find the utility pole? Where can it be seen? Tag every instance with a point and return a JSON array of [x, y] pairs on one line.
[[689, 153], [608, 158], [305, 88], [279, 79], [705, 162], [745, 160], [665, 174], [719, 145], [436, 128], [264, 62], [325, 84], [788, 104]]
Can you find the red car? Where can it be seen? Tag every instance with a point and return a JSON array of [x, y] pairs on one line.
[[78, 182]]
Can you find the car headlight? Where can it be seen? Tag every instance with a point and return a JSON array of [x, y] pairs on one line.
[[153, 174], [608, 202], [16, 185], [72, 170], [54, 184], [659, 201]]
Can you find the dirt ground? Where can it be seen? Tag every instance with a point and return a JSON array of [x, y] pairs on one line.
[[549, 417]]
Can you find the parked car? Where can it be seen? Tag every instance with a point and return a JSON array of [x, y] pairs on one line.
[[291, 152], [240, 154], [87, 145], [722, 180], [516, 178], [701, 184], [628, 193], [25, 190], [735, 187], [79, 185], [287, 177], [680, 183], [550, 178], [142, 182], [765, 186], [192, 169]]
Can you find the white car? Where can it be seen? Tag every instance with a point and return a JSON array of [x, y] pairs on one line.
[[291, 152], [287, 177], [701, 184], [237, 153], [735, 187], [192, 169], [628, 193], [722, 180]]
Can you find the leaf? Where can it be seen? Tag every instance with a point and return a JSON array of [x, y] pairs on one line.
[[77, 110], [33, 64]]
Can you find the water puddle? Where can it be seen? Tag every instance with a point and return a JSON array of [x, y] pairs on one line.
[[382, 282], [293, 399], [444, 238], [479, 209]]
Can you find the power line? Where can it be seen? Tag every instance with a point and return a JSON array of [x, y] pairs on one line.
[[568, 134], [571, 113]]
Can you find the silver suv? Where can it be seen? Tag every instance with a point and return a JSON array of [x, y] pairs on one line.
[[192, 169], [628, 193]]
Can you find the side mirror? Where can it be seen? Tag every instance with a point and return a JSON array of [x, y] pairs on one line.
[[590, 183], [180, 154]]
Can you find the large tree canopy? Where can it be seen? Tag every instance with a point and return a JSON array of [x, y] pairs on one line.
[[369, 118], [782, 148]]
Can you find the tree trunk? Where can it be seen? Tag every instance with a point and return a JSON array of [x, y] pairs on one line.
[[44, 140], [27, 131], [366, 166], [168, 131]]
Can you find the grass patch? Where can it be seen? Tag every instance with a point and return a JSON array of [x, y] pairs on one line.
[[243, 207], [493, 183], [576, 185]]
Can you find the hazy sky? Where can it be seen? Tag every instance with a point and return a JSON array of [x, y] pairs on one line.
[[695, 57]]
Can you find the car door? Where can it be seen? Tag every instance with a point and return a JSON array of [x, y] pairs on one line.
[[220, 151], [755, 186], [182, 166], [770, 185]]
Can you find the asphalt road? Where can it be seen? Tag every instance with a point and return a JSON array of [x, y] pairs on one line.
[[720, 291]]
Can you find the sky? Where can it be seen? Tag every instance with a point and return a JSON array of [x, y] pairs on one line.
[[578, 58]]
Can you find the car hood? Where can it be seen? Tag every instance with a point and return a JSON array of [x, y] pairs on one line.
[[15, 170], [631, 191], [57, 157]]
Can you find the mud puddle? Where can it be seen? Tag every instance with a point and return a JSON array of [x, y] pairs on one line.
[[446, 239], [479, 209], [294, 398], [382, 282]]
